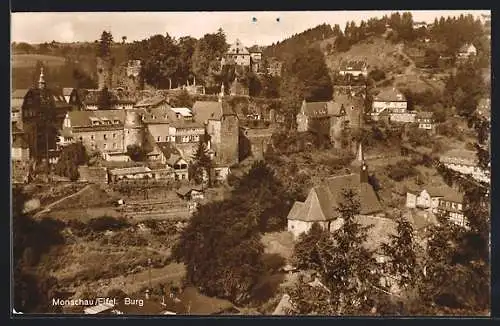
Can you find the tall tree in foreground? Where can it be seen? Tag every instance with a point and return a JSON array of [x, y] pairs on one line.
[[201, 164], [221, 250], [347, 268], [71, 157], [402, 253]]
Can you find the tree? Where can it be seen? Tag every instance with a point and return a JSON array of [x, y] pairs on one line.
[[402, 254], [136, 153], [104, 45], [71, 157], [347, 268], [184, 100], [201, 164], [226, 233], [105, 100]]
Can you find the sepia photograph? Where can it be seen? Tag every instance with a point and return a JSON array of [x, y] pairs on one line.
[[287, 163]]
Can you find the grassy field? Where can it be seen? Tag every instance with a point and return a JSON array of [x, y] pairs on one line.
[[30, 60]]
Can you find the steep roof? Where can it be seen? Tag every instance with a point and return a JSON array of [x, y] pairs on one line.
[[211, 110], [84, 118], [324, 200], [238, 48], [19, 93], [453, 196], [150, 101], [390, 95]]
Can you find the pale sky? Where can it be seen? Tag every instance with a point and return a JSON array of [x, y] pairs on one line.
[[81, 26]]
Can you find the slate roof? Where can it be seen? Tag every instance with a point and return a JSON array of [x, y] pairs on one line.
[[159, 114], [211, 110], [174, 158], [322, 202], [390, 95], [83, 118], [238, 48], [131, 170], [19, 93], [150, 101], [186, 124], [453, 196]]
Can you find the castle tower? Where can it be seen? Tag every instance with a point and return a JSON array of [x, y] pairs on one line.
[[133, 129], [104, 73]]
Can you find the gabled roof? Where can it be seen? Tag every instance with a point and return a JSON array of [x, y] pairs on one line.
[[67, 91], [390, 95], [150, 101], [173, 159], [211, 110], [19, 93], [323, 201], [238, 48]]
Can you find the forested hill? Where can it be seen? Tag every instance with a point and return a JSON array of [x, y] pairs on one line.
[[299, 41]]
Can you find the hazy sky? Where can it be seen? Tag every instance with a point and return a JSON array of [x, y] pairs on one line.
[[74, 26]]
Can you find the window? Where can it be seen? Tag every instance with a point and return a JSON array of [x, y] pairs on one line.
[[166, 138], [105, 136], [105, 146], [158, 138], [91, 137], [81, 138], [114, 145], [114, 135]]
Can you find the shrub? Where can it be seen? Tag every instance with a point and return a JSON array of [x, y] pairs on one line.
[[105, 223], [401, 170]]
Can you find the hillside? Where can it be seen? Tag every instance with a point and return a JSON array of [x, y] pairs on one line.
[[30, 60], [380, 53]]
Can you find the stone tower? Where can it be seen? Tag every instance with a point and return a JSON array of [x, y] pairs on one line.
[[133, 129], [104, 72]]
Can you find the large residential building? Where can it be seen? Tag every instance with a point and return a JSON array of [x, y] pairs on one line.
[[451, 205], [323, 200], [109, 132], [239, 54], [42, 113], [394, 103], [330, 118]]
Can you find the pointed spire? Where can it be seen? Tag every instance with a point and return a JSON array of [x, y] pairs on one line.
[[41, 80]]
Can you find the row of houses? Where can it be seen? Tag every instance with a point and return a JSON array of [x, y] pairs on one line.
[[167, 135]]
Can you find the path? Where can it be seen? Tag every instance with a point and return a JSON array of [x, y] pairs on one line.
[[49, 206]]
